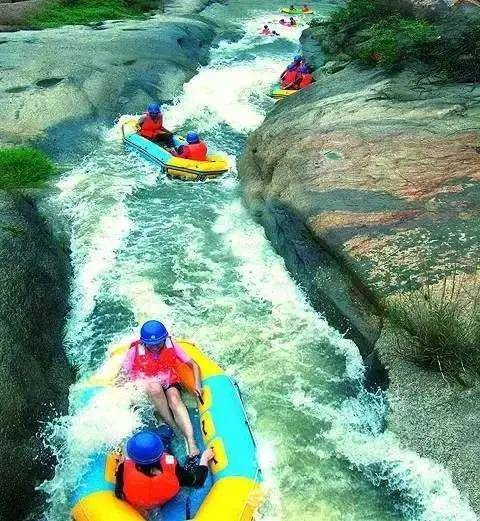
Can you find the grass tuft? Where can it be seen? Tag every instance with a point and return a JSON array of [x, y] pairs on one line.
[[56, 13], [438, 328], [24, 167]]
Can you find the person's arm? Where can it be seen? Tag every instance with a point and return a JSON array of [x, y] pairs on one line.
[[127, 366], [198, 381]]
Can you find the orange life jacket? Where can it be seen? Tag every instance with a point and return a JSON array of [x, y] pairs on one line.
[[195, 151], [151, 364], [289, 79], [147, 492], [150, 128], [307, 79]]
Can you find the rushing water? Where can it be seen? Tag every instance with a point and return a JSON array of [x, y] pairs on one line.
[[189, 254]]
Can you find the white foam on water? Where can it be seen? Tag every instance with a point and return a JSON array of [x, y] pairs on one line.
[[102, 425]]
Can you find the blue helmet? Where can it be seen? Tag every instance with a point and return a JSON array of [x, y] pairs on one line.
[[297, 58], [153, 108], [153, 333], [192, 137], [145, 447]]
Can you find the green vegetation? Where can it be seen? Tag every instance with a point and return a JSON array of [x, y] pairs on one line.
[[439, 328], [378, 33], [24, 167], [73, 12]]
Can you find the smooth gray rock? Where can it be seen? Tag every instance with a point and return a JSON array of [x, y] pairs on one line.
[[62, 76]]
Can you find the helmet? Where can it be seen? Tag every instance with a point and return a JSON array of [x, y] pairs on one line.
[[303, 69], [145, 447], [290, 66], [297, 58], [153, 108], [192, 137], [153, 333]]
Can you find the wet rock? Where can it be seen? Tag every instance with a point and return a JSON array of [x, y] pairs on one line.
[[34, 373], [71, 87], [439, 420], [15, 14], [383, 174]]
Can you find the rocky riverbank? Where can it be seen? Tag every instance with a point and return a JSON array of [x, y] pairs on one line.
[[368, 185], [34, 372], [74, 78]]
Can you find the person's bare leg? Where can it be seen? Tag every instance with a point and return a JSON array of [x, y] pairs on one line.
[[182, 418], [157, 395]]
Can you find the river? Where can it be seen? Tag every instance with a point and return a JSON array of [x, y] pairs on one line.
[[190, 255]]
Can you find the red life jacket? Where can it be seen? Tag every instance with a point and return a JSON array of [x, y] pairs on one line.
[[149, 364], [307, 79], [195, 151], [146, 492], [289, 79], [150, 128]]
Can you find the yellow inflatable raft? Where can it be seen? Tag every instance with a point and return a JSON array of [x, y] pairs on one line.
[[175, 167], [233, 491], [282, 93]]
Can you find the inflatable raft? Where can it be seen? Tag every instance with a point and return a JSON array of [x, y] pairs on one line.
[[175, 167], [296, 11], [232, 492], [279, 93]]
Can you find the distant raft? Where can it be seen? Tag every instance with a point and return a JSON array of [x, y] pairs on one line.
[[175, 167], [296, 10], [233, 490], [279, 93]]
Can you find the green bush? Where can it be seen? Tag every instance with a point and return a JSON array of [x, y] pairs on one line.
[[74, 12], [24, 167], [457, 51], [394, 40], [440, 329], [382, 32]]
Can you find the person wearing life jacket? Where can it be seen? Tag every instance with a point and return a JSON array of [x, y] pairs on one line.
[[290, 78], [149, 477], [306, 78], [293, 22], [150, 126], [153, 361], [296, 64], [265, 31], [195, 148], [305, 8]]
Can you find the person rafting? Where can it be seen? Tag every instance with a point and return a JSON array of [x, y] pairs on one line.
[[150, 126], [149, 476], [195, 148], [290, 78], [293, 22], [152, 360], [306, 77], [296, 64], [305, 8], [265, 31]]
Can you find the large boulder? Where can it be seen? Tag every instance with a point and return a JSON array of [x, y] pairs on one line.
[[34, 373], [377, 179], [49, 83]]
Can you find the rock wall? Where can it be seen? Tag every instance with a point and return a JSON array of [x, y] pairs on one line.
[[382, 174], [34, 373], [72, 77]]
